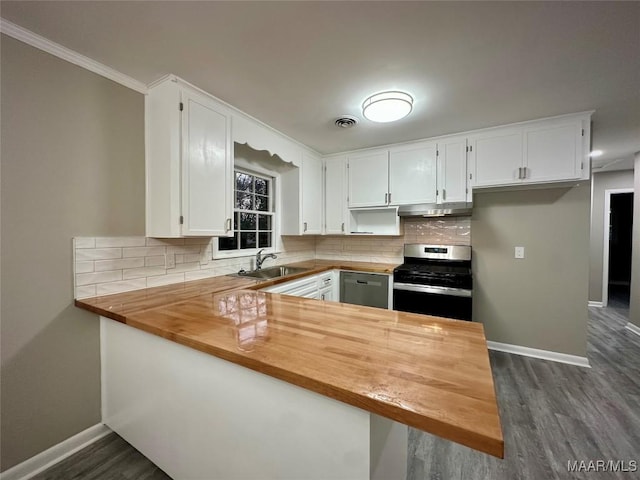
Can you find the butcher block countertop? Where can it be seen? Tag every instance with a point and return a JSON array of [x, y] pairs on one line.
[[426, 372]]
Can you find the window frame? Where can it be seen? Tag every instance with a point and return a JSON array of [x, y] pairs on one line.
[[273, 180]]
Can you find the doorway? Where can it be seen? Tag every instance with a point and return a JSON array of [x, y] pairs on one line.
[[616, 285]]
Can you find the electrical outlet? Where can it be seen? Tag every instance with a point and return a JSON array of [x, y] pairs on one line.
[[519, 253], [170, 260]]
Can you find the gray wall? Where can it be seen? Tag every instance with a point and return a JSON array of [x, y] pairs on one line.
[[72, 164], [601, 182], [541, 300], [634, 303]]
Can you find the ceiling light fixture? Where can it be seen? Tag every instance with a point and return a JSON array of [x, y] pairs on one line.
[[595, 153], [387, 106]]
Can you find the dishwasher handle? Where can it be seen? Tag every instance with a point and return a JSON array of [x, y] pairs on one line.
[[362, 282]]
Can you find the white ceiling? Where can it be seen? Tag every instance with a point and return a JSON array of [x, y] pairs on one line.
[[299, 65]]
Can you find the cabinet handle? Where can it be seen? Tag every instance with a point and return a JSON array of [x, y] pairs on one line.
[[386, 196], [227, 225], [444, 194], [519, 173], [525, 172], [305, 226], [322, 296], [343, 226], [389, 198]]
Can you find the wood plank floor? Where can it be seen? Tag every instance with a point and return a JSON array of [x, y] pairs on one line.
[[551, 414]]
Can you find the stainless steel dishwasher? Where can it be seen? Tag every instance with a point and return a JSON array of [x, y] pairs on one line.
[[366, 289]]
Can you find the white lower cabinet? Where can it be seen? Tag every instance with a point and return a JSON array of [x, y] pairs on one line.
[[321, 286]]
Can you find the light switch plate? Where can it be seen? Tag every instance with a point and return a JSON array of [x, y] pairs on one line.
[[519, 253]]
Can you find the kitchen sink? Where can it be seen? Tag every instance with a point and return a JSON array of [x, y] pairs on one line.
[[274, 272]]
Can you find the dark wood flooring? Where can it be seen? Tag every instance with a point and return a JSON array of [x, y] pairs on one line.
[[551, 414]]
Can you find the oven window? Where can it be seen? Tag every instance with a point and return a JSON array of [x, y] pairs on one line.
[[432, 304]]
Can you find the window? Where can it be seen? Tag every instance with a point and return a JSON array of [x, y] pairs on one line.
[[252, 214]]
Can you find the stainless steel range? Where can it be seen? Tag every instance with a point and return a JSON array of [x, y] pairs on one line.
[[434, 280]]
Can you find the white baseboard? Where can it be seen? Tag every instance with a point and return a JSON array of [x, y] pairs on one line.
[[633, 328], [596, 304], [55, 454], [542, 354]]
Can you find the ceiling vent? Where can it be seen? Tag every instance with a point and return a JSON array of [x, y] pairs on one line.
[[346, 121]]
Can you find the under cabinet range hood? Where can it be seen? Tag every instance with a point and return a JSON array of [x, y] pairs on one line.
[[461, 209]]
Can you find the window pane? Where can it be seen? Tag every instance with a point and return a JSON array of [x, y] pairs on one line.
[[264, 222], [247, 240], [248, 221], [264, 239], [228, 243], [261, 203], [243, 182], [244, 201], [262, 186]]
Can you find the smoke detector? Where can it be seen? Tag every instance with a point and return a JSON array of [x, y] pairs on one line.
[[346, 121]]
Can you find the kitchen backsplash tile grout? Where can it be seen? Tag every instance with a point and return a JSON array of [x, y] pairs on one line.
[[106, 265]]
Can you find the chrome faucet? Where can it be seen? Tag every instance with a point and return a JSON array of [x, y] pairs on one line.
[[261, 258]]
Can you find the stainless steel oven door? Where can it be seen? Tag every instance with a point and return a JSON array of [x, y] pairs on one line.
[[432, 300]]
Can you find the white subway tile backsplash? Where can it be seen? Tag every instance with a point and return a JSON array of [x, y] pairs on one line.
[[165, 279], [98, 277], [86, 254], [86, 291], [105, 265], [143, 251], [184, 267], [155, 261], [84, 242], [153, 242], [103, 242], [84, 267], [143, 272], [119, 264], [200, 274], [119, 287]]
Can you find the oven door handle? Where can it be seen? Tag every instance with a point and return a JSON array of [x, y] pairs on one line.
[[455, 292]]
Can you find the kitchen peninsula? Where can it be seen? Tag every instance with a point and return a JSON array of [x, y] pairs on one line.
[[217, 379]]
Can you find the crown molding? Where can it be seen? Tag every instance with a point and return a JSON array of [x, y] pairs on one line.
[[46, 45]]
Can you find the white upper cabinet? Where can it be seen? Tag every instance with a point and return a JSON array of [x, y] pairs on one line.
[[537, 152], [452, 170], [412, 174], [496, 157], [189, 163], [553, 150], [368, 176], [335, 197], [311, 190]]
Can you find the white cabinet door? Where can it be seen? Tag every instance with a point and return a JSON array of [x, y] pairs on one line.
[[452, 170], [189, 162], [311, 192], [553, 151], [412, 174], [327, 294], [496, 157], [368, 179], [335, 196], [206, 167]]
